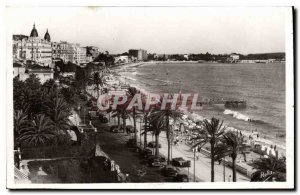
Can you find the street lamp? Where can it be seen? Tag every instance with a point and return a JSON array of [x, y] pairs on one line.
[[140, 132], [224, 170], [194, 150]]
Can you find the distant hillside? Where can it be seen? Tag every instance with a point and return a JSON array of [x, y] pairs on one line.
[[263, 56]]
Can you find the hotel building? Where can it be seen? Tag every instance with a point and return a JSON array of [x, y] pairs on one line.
[[33, 48]]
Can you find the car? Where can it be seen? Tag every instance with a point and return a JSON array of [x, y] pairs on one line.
[[115, 129], [89, 103], [145, 153], [131, 143], [181, 178], [152, 144], [93, 114], [129, 129], [180, 162], [169, 171], [103, 118], [156, 161]]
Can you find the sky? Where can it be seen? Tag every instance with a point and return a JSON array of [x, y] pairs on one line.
[[169, 30]]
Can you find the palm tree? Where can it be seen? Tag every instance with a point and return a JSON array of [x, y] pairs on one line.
[[122, 113], [20, 118], [31, 100], [20, 123], [231, 145], [269, 169], [40, 131], [164, 116], [156, 127], [131, 92], [49, 85], [58, 111], [146, 115], [97, 80], [212, 133], [117, 113]]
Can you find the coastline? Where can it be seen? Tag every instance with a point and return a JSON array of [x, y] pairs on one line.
[[266, 143]]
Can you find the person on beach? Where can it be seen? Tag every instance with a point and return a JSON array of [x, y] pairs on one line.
[[177, 140], [229, 178], [197, 155]]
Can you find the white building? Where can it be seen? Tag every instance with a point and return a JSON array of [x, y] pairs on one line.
[[40, 72], [33, 48], [18, 69], [81, 57], [235, 56], [68, 51], [122, 59]]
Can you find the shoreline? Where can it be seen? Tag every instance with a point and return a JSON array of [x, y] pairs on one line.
[[266, 143]]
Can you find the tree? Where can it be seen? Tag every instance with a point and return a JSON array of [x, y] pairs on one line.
[[121, 112], [98, 81], [164, 116], [33, 82], [156, 127], [49, 85], [106, 58], [146, 128], [20, 123], [269, 169], [231, 145], [40, 131], [58, 111], [212, 133], [131, 92], [68, 94], [18, 94], [81, 78], [30, 97]]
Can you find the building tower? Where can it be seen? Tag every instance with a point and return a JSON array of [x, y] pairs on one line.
[[47, 36], [34, 32]]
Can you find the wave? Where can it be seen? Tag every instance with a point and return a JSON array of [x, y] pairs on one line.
[[237, 115], [246, 118]]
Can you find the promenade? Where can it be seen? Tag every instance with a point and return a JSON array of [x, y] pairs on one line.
[[202, 166]]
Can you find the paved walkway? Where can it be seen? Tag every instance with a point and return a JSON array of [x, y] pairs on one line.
[[203, 170]]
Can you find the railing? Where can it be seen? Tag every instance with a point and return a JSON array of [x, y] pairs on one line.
[[20, 175], [228, 163]]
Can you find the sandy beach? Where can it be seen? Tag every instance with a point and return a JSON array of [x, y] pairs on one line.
[[126, 72]]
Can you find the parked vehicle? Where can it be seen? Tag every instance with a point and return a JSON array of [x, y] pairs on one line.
[[92, 115], [145, 153], [152, 144], [89, 103], [131, 143], [129, 129], [181, 178], [103, 118], [180, 162], [169, 171], [159, 161], [115, 129]]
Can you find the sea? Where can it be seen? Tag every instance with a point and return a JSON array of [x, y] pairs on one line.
[[261, 85]]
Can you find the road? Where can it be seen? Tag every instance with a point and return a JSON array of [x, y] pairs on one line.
[[203, 164]]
